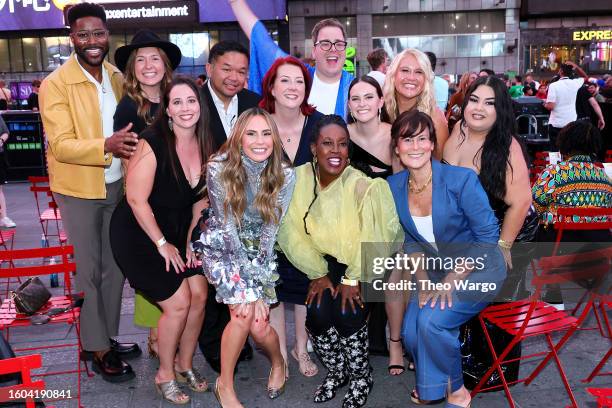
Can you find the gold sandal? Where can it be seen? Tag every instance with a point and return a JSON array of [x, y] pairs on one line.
[[193, 379], [151, 343], [274, 393], [171, 392]]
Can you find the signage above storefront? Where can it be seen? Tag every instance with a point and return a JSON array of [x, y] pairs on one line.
[[17, 15], [590, 35], [151, 13]]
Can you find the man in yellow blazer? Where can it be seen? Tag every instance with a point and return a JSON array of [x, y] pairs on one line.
[[77, 104]]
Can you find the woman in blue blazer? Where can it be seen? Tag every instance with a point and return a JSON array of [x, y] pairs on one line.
[[451, 237]]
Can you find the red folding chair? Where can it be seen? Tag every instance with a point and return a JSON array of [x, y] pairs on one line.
[[603, 395], [21, 365], [48, 211], [7, 238], [30, 262], [581, 219], [605, 303], [533, 317]]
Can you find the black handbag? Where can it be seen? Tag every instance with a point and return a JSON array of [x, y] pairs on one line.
[[477, 359], [530, 227], [30, 296]]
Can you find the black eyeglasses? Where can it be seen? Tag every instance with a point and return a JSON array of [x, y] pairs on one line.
[[326, 45], [84, 36]]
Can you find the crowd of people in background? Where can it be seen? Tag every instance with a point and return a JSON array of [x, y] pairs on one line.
[[222, 205]]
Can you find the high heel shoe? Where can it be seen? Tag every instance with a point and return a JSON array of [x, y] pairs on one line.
[[150, 347], [274, 393], [400, 367], [193, 379], [218, 394], [171, 392]]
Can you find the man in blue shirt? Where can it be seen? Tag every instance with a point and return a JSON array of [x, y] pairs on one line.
[[440, 84], [329, 53]]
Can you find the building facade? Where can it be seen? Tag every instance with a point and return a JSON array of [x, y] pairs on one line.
[[550, 36], [34, 40], [466, 35]]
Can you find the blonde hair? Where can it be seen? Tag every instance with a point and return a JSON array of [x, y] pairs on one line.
[[426, 101], [234, 178], [132, 88]]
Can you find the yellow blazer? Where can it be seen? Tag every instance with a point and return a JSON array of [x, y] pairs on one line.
[[71, 118]]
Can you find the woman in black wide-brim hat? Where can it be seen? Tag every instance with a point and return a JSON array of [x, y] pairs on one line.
[[147, 63]]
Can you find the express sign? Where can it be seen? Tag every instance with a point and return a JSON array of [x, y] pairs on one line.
[[590, 35]]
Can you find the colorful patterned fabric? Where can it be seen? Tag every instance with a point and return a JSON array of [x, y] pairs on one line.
[[577, 182]]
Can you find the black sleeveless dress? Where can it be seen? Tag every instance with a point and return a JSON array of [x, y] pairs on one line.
[[361, 159], [171, 202], [293, 284]]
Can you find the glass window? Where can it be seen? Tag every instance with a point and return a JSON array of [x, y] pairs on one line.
[[16, 55], [468, 46], [450, 46], [185, 42], [50, 53], [5, 65], [31, 54], [437, 46], [201, 46], [115, 41], [461, 23], [349, 22], [492, 45], [473, 23]]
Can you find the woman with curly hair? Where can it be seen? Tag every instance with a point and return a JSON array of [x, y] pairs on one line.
[[249, 187], [409, 86], [147, 64]]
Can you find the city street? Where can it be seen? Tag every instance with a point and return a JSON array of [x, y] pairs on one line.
[[579, 357]]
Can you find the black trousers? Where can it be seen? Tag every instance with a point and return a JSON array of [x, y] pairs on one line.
[[329, 313], [553, 132]]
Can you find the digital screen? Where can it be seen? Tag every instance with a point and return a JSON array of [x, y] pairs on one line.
[[48, 14]]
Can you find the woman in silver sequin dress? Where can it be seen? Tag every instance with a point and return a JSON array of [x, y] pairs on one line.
[[249, 187]]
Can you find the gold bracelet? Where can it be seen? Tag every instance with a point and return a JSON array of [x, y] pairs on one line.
[[504, 244], [349, 282]]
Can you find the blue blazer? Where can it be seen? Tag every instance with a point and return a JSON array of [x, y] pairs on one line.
[[461, 215]]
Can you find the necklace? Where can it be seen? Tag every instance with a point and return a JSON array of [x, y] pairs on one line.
[[415, 189]]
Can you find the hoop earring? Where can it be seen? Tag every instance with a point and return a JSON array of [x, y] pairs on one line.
[[351, 113], [379, 113], [171, 124]]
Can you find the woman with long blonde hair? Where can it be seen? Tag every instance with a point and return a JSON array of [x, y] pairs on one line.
[[409, 86], [249, 187], [147, 64]]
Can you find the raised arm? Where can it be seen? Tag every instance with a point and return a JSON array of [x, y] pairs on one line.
[[264, 51], [245, 16]]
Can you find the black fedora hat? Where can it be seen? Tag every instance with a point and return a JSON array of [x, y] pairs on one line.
[[147, 38]]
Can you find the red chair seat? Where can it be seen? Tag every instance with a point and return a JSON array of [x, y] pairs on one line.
[[7, 235], [9, 316], [543, 319], [50, 215]]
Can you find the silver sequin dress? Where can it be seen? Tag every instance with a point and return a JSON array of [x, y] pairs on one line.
[[239, 259]]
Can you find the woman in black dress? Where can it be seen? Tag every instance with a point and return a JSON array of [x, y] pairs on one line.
[[147, 63], [286, 87], [371, 153], [150, 231]]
